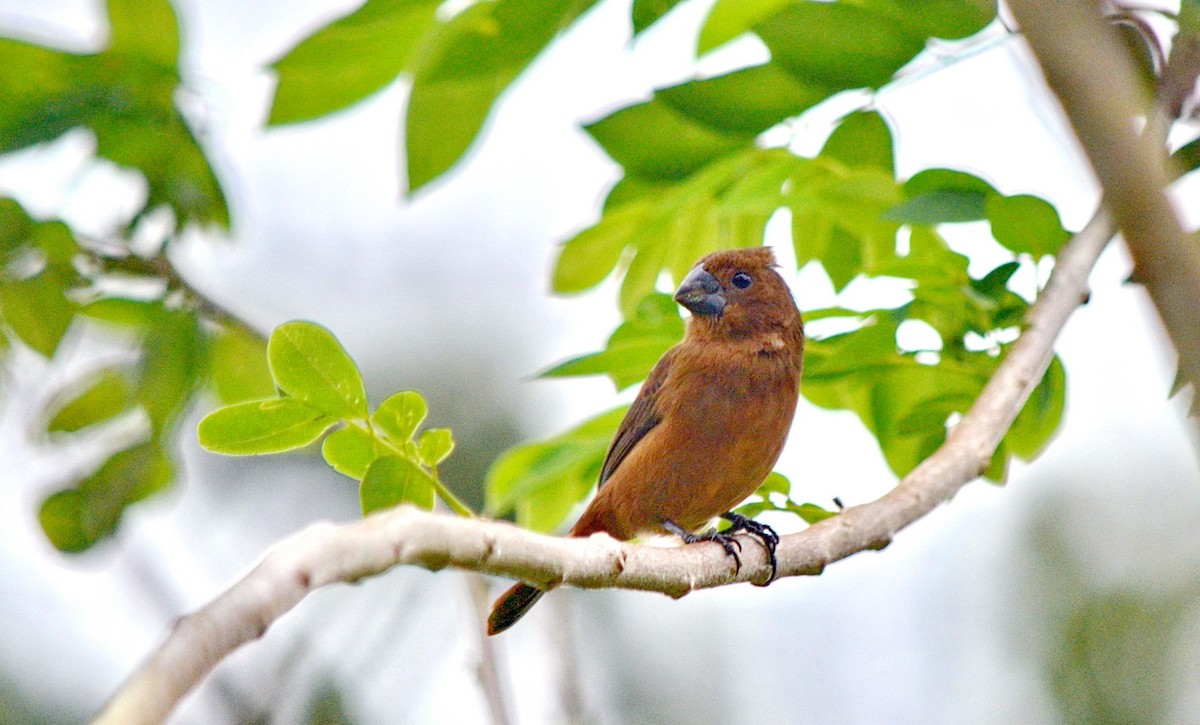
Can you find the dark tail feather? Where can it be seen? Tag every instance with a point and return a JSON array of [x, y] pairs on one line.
[[511, 606]]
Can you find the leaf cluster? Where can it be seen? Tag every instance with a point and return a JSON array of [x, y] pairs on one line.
[[319, 387]]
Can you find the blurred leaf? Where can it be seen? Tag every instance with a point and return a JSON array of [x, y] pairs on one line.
[[730, 18], [56, 242], [123, 312], [775, 482], [105, 395], [542, 481], [126, 96], [391, 481], [262, 426], [946, 19], [76, 518], [1186, 158], [635, 346], [238, 366], [1026, 224], [400, 415], [647, 12], [172, 366], [37, 310], [654, 140], [744, 102], [939, 207], [585, 260], [839, 45], [862, 139], [349, 451], [435, 446], [309, 364], [464, 66], [350, 59], [811, 513], [1042, 414]]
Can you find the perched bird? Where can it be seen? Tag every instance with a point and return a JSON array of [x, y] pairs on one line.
[[709, 422]]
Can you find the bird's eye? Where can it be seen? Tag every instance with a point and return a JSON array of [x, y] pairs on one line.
[[741, 280]]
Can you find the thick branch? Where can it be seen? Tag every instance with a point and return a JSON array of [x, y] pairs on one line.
[[1088, 69], [325, 554]]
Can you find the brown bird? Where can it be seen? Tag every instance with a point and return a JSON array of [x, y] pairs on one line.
[[708, 424]]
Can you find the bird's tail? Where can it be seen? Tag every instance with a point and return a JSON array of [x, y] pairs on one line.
[[511, 606]]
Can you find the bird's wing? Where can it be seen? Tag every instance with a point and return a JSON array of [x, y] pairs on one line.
[[643, 415]]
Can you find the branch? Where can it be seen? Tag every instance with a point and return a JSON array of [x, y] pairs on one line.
[[326, 554], [1089, 70]]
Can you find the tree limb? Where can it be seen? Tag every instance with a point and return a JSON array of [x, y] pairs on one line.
[[1089, 70], [326, 554]]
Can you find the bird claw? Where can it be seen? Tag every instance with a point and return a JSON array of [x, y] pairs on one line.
[[764, 533], [724, 538]]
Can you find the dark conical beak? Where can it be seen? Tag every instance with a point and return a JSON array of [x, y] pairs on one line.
[[701, 293]]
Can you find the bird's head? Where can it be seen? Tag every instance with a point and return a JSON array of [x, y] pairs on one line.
[[737, 292]]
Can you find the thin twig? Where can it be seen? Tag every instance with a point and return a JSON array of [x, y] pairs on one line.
[[326, 554]]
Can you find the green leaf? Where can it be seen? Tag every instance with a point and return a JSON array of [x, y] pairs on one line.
[[464, 66], [1042, 414], [776, 483], [145, 28], [635, 346], [350, 59], [947, 19], [742, 103], [63, 517], [262, 426], [586, 259], [391, 481], [730, 18], [350, 451], [123, 312], [542, 481], [172, 366], [839, 45], [126, 96], [56, 242], [435, 445], [238, 366], [655, 141], [400, 415], [862, 139], [103, 396], [1186, 158], [309, 364], [76, 518], [810, 512], [37, 310], [937, 196], [647, 12], [1026, 224]]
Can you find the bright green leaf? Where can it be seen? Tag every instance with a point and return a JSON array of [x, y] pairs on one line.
[[940, 206], [400, 415], [777, 483], [862, 139], [37, 310], [172, 366], [435, 445], [309, 364], [391, 481], [839, 45], [655, 141], [730, 18], [464, 66], [238, 366], [63, 517], [647, 12], [586, 259], [1026, 224], [1041, 415], [350, 59], [744, 102], [350, 451], [105, 395], [145, 28], [123, 312], [262, 426]]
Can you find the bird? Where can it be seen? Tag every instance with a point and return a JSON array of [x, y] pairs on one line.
[[709, 422]]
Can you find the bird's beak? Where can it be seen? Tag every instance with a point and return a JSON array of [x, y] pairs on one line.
[[701, 293]]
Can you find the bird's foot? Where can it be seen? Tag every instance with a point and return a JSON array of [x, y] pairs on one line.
[[731, 545], [762, 532]]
